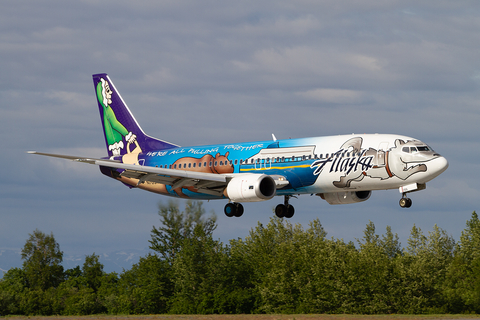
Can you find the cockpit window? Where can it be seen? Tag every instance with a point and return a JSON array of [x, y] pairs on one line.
[[406, 149], [423, 148], [413, 149]]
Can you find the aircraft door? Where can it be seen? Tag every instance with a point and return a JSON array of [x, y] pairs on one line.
[[268, 163], [381, 154], [258, 164]]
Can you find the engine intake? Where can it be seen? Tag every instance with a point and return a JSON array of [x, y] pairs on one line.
[[251, 188], [346, 197]]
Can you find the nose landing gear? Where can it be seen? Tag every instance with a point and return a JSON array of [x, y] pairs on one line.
[[405, 202]]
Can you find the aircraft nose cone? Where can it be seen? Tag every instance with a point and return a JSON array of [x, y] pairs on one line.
[[442, 164], [439, 165]]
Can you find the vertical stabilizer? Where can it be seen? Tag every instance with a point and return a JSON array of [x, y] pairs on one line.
[[122, 133]]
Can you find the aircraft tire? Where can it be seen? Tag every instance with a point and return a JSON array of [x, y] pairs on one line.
[[281, 210], [409, 203], [230, 210], [290, 211], [238, 210], [405, 202]]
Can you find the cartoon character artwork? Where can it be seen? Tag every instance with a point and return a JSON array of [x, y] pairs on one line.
[[114, 130], [208, 164], [218, 164], [354, 164]]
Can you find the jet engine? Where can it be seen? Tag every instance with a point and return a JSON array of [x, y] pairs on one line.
[[345, 197], [251, 188]]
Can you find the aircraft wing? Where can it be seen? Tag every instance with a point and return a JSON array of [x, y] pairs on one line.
[[208, 183]]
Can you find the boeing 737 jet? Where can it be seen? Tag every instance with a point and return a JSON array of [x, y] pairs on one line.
[[340, 169]]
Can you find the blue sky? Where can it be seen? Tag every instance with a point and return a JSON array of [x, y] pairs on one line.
[[211, 72]]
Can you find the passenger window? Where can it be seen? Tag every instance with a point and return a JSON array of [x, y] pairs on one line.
[[175, 166], [189, 165], [293, 158], [236, 161], [194, 164], [210, 164], [199, 164], [216, 163], [221, 163]]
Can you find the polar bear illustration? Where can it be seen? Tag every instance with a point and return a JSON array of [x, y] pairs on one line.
[[399, 161]]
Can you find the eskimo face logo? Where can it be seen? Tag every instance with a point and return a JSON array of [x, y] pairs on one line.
[[106, 92]]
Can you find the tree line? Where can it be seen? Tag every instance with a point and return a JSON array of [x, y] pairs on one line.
[[277, 268]]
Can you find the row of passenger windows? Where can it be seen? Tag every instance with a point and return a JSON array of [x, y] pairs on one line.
[[255, 161]]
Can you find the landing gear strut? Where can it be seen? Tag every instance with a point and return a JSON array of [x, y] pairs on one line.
[[285, 210], [233, 209], [405, 202]]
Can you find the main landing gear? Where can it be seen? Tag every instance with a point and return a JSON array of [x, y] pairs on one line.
[[285, 210], [405, 202], [233, 209]]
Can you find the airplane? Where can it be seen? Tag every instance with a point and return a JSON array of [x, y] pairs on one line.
[[340, 169]]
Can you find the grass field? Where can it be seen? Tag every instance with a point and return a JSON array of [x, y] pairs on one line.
[[251, 317]]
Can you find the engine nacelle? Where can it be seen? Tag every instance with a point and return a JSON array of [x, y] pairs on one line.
[[346, 197], [251, 188]]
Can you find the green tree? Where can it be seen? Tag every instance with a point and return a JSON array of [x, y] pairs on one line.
[[144, 289], [177, 226], [12, 287], [463, 275], [197, 274], [92, 271], [422, 271], [42, 261]]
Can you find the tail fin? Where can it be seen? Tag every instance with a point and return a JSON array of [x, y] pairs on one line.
[[122, 132]]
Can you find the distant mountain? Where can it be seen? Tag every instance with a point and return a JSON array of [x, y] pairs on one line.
[[112, 261]]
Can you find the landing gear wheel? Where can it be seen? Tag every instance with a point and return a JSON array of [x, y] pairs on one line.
[[229, 210], [238, 210], [405, 202], [290, 211], [284, 211], [280, 210], [233, 209]]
